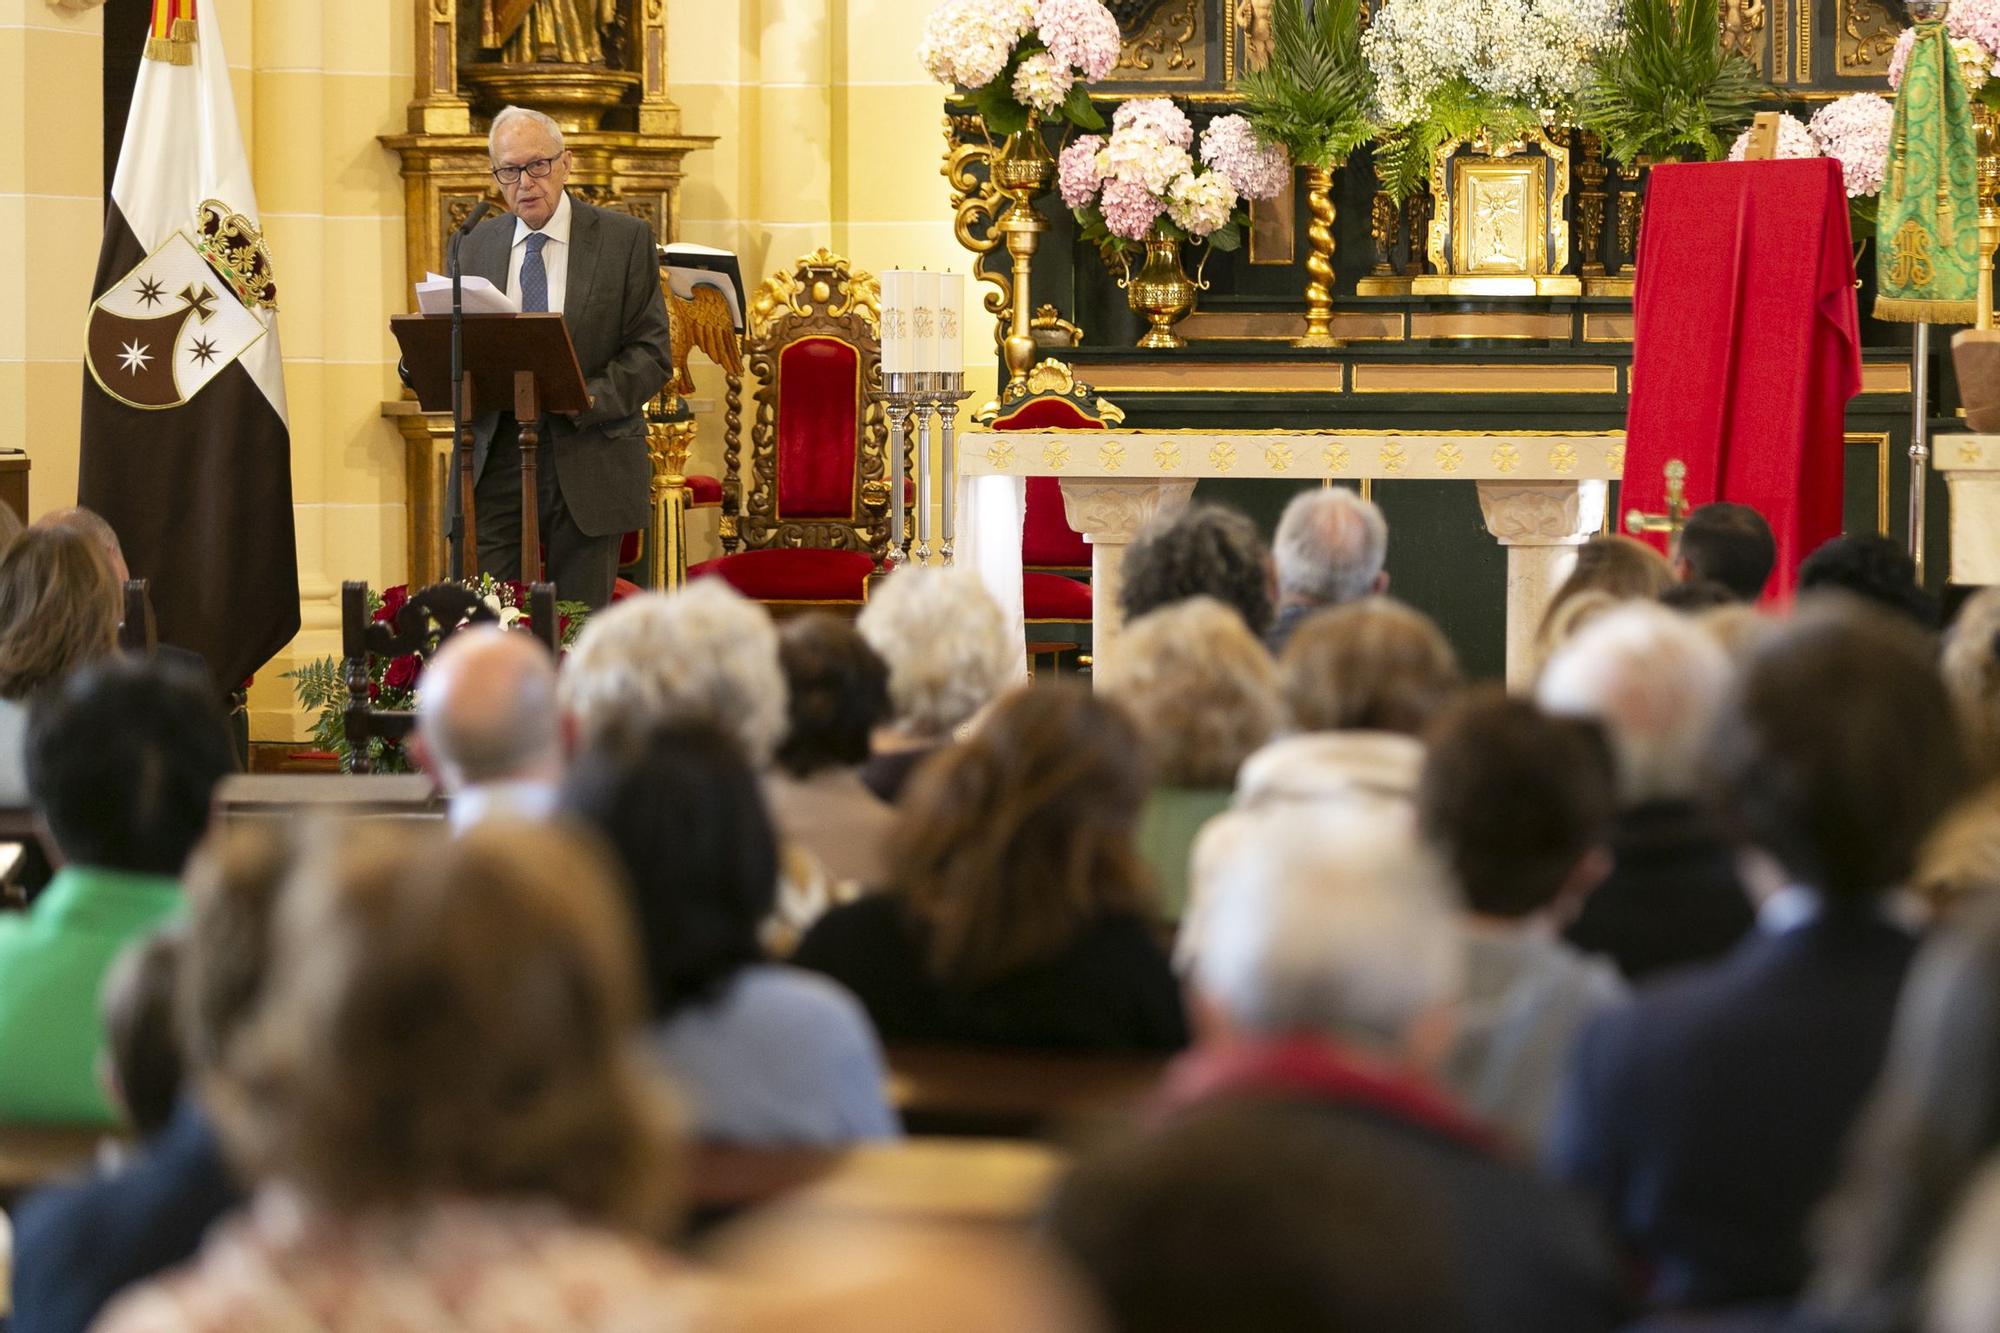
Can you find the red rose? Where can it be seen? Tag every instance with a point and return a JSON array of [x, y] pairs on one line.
[[562, 627], [402, 672], [519, 593], [374, 691], [392, 602]]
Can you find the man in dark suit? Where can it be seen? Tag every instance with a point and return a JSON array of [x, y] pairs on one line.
[[600, 270], [1709, 1115]]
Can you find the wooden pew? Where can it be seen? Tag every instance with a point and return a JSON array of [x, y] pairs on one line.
[[35, 1155], [960, 1180], [283, 795], [996, 1093]]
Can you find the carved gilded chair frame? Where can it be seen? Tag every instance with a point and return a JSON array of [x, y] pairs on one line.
[[820, 296]]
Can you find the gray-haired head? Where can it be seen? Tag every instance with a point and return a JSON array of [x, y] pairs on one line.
[[486, 709], [1330, 546], [509, 115]]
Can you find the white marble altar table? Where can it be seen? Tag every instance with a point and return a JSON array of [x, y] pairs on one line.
[[1542, 494]]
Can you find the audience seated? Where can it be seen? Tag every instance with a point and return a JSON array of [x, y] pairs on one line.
[[1964, 1289], [1970, 663], [1933, 1119], [1202, 550], [839, 694], [78, 1246], [1324, 979], [1205, 695], [495, 1156], [1729, 546], [487, 726], [1517, 803], [766, 1054], [1698, 595], [1959, 868], [1878, 569], [1261, 1219], [92, 527], [1020, 913], [11, 527], [142, 1053], [1708, 1115], [1623, 567], [58, 611], [1329, 550], [1360, 683], [122, 762], [949, 655], [1656, 682]]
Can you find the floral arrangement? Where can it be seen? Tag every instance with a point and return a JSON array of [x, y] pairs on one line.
[[1447, 69], [1671, 89], [1795, 139], [1019, 57], [1144, 177], [321, 686], [1974, 29], [1314, 97]]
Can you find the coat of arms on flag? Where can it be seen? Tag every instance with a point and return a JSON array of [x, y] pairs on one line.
[[165, 329]]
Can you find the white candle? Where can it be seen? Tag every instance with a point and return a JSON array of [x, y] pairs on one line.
[[895, 322], [951, 324], [923, 321]]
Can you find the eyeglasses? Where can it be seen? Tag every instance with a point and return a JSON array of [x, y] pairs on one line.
[[540, 167]]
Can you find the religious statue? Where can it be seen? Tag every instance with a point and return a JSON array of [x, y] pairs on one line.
[[1259, 43], [544, 32]]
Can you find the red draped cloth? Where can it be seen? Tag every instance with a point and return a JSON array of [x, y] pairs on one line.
[[1747, 345]]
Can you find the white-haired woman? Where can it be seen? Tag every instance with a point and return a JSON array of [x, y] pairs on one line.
[[1656, 682], [949, 655]]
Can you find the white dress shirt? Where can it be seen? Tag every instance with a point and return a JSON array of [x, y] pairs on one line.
[[555, 254]]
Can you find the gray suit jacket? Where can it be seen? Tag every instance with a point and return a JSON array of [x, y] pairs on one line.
[[618, 323]]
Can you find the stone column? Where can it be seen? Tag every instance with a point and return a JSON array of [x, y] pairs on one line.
[[1110, 513], [1539, 522], [1971, 467]]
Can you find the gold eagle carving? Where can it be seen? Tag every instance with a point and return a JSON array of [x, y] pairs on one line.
[[703, 321]]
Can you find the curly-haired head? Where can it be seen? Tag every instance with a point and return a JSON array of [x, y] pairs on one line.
[[1872, 567], [946, 643], [1204, 550], [1202, 688]]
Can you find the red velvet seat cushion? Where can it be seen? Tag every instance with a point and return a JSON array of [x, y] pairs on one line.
[[704, 491], [1053, 597], [791, 574]]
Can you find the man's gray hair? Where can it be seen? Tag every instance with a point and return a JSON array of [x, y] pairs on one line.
[[703, 654], [1317, 919], [946, 643], [1656, 681], [508, 115], [1330, 546]]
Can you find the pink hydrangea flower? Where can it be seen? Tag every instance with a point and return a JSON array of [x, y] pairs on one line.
[[1899, 58], [1978, 20], [1130, 209], [1155, 116], [1255, 169], [1794, 140], [1076, 170], [1856, 130], [1080, 34]]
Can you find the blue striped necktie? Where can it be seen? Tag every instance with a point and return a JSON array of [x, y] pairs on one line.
[[534, 277]]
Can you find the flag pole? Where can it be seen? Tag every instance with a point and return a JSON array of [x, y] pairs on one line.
[[1920, 452]]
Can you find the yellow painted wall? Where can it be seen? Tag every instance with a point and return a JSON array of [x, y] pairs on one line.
[[830, 134]]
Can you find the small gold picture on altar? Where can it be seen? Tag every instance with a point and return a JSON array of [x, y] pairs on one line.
[[1500, 204]]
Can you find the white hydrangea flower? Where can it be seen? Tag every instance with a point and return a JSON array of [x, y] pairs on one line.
[[1040, 82], [1139, 158], [1201, 204]]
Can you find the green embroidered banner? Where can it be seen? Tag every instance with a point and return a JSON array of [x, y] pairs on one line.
[[1927, 228]]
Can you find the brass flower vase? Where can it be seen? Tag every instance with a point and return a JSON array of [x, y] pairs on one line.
[[1161, 290]]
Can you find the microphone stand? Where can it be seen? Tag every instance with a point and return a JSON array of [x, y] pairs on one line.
[[468, 556]]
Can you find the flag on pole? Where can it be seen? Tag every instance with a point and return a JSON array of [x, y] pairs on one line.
[[1927, 223], [186, 448]]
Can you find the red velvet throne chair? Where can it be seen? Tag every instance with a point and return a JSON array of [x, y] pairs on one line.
[[814, 520]]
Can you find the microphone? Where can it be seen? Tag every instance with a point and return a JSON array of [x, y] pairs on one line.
[[479, 211]]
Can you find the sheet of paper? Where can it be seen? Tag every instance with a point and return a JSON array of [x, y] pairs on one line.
[[478, 296]]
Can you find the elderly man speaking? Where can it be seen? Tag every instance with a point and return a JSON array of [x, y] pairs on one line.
[[600, 270]]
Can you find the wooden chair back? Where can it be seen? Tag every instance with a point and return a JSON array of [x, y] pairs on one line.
[[137, 633]]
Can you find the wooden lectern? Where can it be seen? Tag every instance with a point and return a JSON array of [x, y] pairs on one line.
[[526, 360]]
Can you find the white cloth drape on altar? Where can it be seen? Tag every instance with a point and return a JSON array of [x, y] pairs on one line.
[[991, 510]]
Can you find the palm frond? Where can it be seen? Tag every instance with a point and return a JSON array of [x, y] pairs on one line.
[[1312, 98], [1673, 89], [1458, 111]]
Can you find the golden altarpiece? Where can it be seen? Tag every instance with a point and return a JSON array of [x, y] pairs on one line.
[[599, 67], [1495, 299]]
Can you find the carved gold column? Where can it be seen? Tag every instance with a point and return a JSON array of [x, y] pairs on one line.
[[1319, 261], [1590, 205], [1986, 123], [668, 444]]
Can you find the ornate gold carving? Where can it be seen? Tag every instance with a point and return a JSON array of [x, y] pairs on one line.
[[1319, 261], [1336, 458], [1053, 378], [1590, 204], [1055, 457], [1060, 332], [821, 296], [1450, 458], [999, 457], [1172, 36], [235, 249], [1383, 223], [1167, 457], [821, 283], [1805, 61], [1253, 17], [1111, 457], [1867, 35], [1563, 459], [1506, 459], [976, 202], [1969, 453], [1393, 458], [1501, 225], [1614, 458], [1222, 456], [1278, 457], [1742, 27], [1631, 202]]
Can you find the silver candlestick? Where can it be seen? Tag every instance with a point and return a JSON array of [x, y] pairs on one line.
[[899, 400], [951, 391]]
